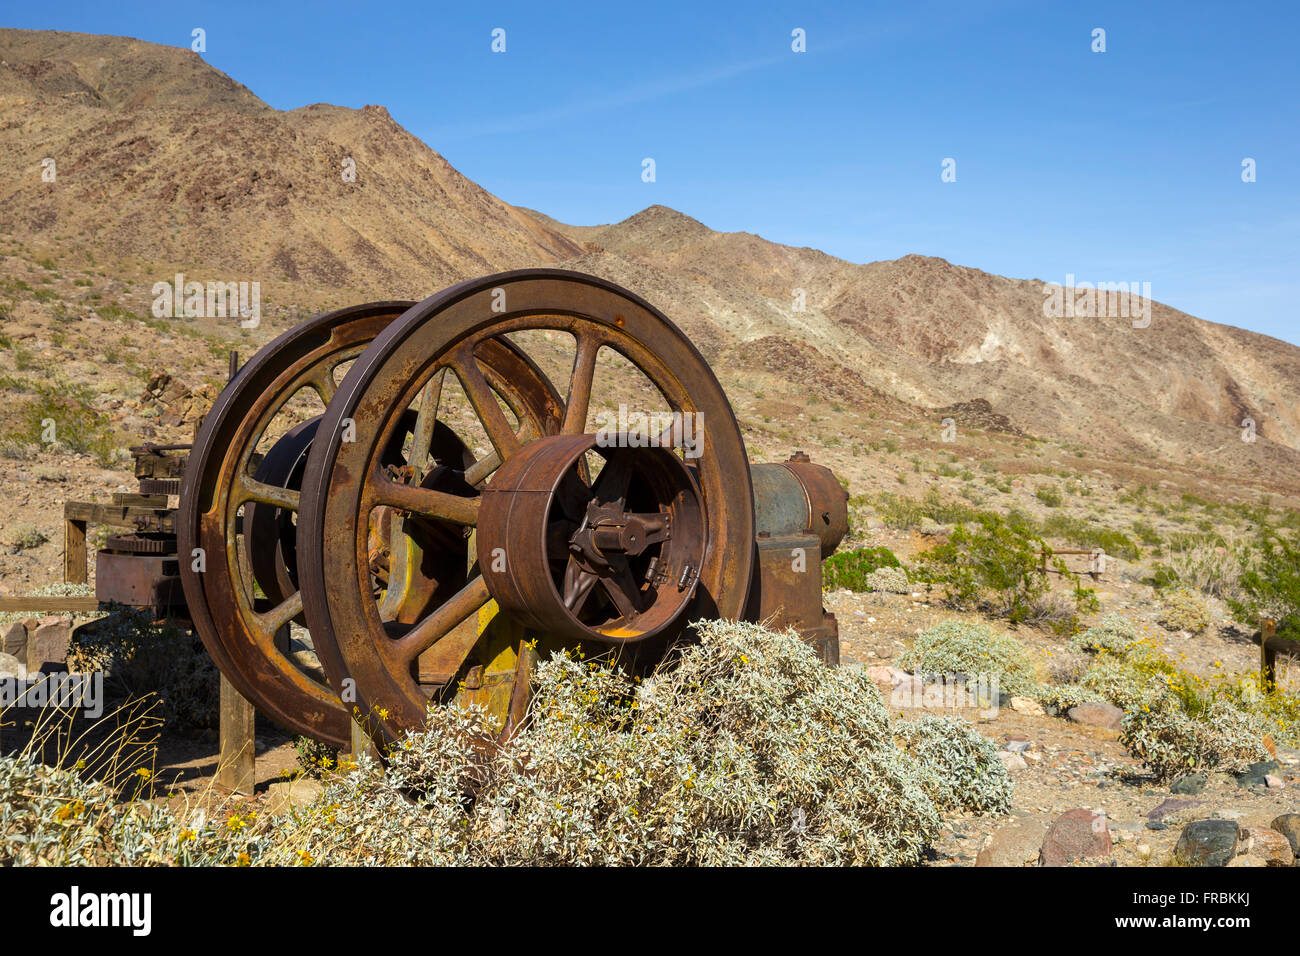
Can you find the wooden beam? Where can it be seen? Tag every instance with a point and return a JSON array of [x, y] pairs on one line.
[[157, 502], [120, 516], [75, 605]]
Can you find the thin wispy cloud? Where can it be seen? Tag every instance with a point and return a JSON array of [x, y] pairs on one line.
[[612, 101]]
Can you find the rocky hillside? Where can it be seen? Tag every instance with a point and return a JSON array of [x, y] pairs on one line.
[[165, 164], [163, 160]]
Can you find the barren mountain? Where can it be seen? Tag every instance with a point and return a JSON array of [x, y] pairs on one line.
[[166, 164], [162, 159]]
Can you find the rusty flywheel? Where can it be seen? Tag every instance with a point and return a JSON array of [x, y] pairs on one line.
[[576, 534], [237, 522]]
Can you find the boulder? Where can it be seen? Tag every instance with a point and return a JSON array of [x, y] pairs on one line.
[[1256, 775], [1267, 845], [1075, 835], [11, 666], [1190, 784], [1288, 824], [1097, 714], [1012, 761], [1208, 843], [48, 644], [14, 640], [1027, 706], [1015, 844]]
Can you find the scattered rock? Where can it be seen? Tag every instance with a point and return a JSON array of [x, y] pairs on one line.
[[1288, 824], [1267, 845], [1015, 844], [1274, 782], [1027, 706], [1170, 807], [1099, 714], [1190, 784], [11, 666], [1018, 746], [14, 641], [1207, 843], [1075, 835], [292, 793], [1257, 774], [1012, 761], [1246, 861], [48, 644]]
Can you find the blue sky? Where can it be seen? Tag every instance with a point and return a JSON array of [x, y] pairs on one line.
[[1115, 166]]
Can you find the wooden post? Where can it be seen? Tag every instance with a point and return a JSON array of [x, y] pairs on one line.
[[74, 552], [1267, 655], [236, 762]]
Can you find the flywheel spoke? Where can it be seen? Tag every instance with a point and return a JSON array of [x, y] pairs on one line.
[[424, 422], [484, 400], [281, 614], [580, 382], [425, 502], [248, 488], [622, 590], [442, 621]]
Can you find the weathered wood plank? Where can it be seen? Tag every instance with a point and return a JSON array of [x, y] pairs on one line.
[[51, 604], [236, 762]]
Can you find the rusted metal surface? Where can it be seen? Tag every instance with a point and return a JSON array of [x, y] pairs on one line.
[[345, 481], [219, 480], [615, 560], [139, 580], [797, 496], [424, 573], [261, 546]]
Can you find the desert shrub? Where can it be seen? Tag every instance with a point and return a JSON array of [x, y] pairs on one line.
[[745, 750], [889, 580], [1064, 696], [849, 569], [78, 425], [1123, 686], [1272, 587], [27, 536], [747, 747], [1112, 633], [1049, 495], [1146, 532], [975, 650], [17, 450], [1205, 563], [1089, 534], [140, 657], [1169, 741], [1184, 610], [1059, 610], [961, 767], [899, 512], [988, 564]]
